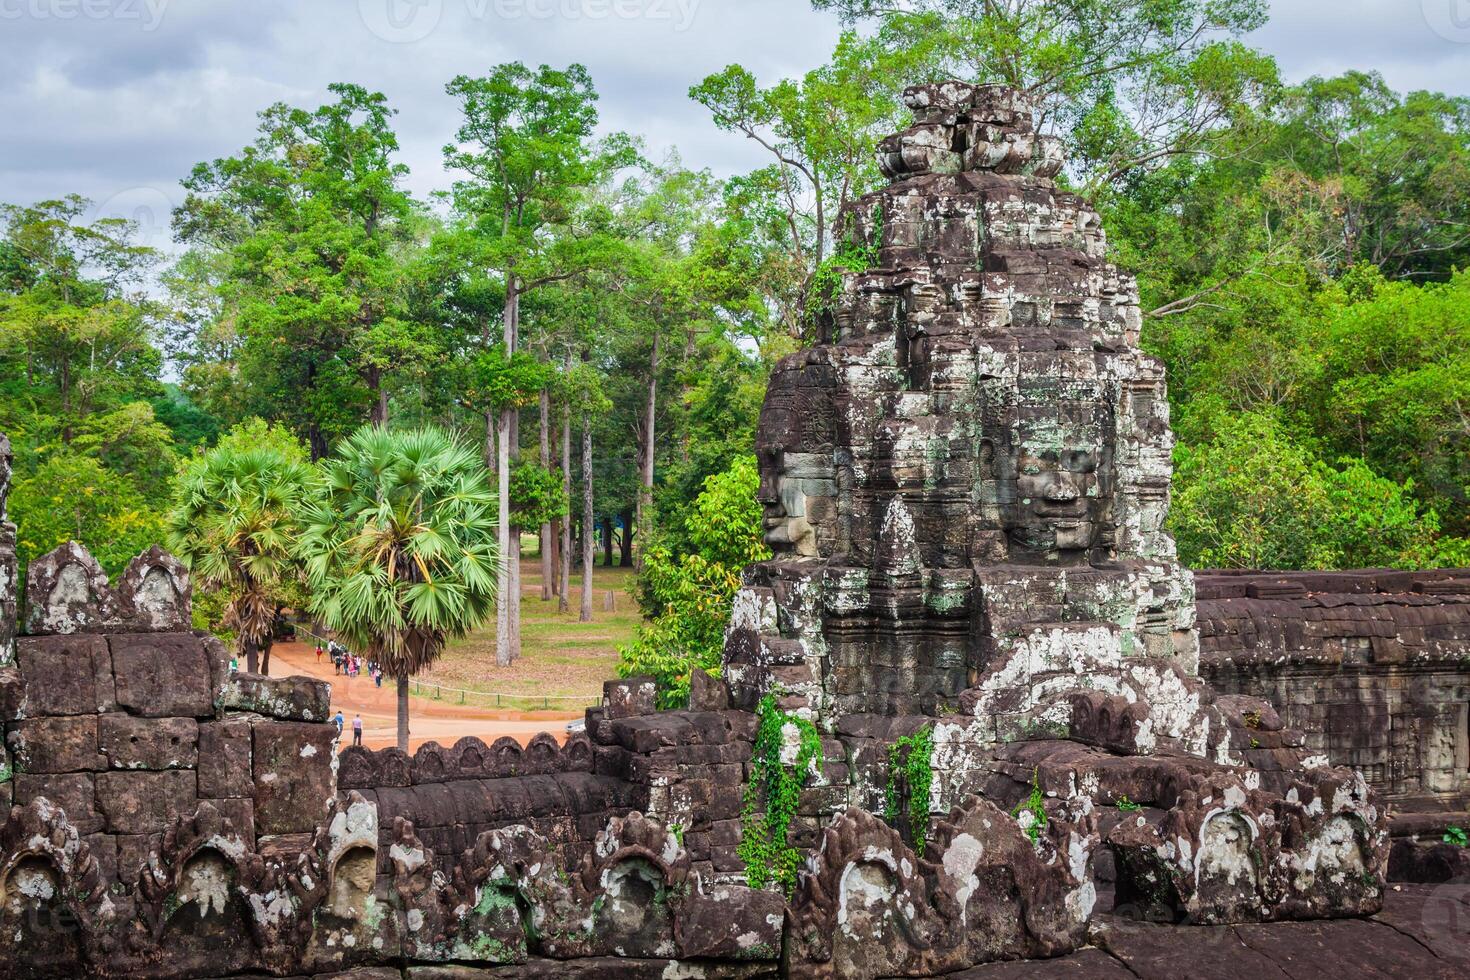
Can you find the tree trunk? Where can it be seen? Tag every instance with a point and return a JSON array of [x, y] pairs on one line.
[[490, 442], [403, 712], [607, 535], [379, 414], [546, 565], [317, 443], [252, 657], [625, 559], [506, 596], [588, 520], [645, 493], [265, 656], [566, 524]]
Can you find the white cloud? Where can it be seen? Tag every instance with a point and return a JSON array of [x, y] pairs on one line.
[[117, 99]]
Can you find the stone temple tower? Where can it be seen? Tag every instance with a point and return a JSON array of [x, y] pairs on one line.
[[966, 482], [968, 475]]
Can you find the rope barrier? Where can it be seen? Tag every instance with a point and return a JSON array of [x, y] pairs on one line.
[[502, 700]]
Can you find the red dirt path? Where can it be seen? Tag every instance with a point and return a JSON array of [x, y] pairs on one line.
[[428, 720]]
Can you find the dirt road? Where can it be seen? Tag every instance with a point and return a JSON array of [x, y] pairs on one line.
[[429, 720]]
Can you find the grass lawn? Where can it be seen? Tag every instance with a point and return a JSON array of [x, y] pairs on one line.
[[560, 657]]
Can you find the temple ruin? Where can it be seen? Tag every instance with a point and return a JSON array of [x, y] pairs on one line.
[[1013, 725]]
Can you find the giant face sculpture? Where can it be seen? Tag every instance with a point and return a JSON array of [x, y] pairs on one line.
[[1062, 452], [794, 449]]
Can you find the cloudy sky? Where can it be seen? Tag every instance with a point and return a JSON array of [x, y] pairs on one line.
[[117, 99]]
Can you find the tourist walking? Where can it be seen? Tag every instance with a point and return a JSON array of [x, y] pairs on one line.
[[357, 729]]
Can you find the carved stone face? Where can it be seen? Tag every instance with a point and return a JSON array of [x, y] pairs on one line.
[[797, 476], [1057, 500], [784, 507]]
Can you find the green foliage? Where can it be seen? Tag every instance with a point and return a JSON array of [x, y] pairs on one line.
[[787, 753], [1457, 836], [499, 382], [911, 773], [1125, 805], [256, 433], [820, 131], [399, 545], [235, 524], [537, 495], [74, 498], [1031, 812], [853, 256], [1254, 498], [299, 242], [1174, 65], [689, 596]]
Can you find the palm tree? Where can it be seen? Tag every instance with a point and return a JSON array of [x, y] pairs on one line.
[[399, 547], [235, 526]]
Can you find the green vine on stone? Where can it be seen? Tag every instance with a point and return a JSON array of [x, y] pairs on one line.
[[911, 767], [1128, 806], [773, 795], [1457, 836], [852, 256], [1034, 824]]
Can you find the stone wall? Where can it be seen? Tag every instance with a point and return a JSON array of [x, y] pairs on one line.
[[1373, 666]]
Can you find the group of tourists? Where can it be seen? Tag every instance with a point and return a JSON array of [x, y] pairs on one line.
[[348, 664]]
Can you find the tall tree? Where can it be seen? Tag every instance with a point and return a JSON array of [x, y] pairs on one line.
[[526, 145], [313, 223], [399, 545], [235, 524], [76, 330], [819, 133], [1130, 84]]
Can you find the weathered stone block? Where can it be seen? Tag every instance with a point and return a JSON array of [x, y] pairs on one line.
[[225, 769], [153, 593], [132, 855], [67, 592], [145, 802], [287, 698], [161, 675], [629, 698], [294, 781], [73, 793], [149, 743], [52, 745], [65, 675], [239, 813]]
